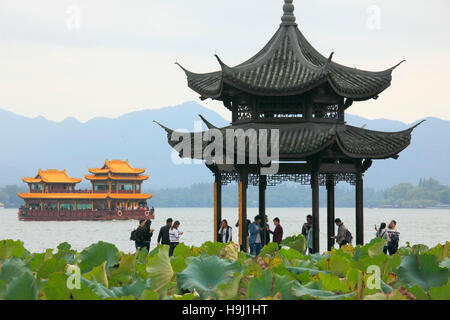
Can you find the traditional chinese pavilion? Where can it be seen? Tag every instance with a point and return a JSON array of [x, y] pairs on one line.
[[116, 194], [291, 87]]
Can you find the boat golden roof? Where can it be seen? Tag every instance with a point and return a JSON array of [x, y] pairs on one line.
[[52, 176]]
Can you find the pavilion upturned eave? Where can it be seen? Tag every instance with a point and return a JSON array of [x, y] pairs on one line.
[[299, 141]]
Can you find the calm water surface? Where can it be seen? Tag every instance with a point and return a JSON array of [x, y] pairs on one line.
[[426, 226]]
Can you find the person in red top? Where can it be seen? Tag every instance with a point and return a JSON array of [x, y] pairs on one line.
[[278, 232]]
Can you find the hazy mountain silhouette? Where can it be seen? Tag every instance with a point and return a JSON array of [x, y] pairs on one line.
[[29, 144]]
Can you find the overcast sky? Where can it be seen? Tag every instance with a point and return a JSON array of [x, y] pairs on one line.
[[118, 56]]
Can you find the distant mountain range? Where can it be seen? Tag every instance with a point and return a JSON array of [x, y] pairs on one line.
[[29, 144]]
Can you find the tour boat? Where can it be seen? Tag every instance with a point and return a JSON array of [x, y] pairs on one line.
[[116, 194]]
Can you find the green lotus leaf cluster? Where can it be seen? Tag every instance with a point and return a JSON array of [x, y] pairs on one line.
[[221, 272]]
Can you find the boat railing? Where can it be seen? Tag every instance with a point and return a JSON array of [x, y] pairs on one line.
[[84, 191]]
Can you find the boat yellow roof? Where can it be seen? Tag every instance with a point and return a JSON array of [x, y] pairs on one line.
[[116, 166], [112, 177], [85, 196], [52, 176]]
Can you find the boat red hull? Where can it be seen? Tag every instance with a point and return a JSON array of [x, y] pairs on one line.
[[46, 215]]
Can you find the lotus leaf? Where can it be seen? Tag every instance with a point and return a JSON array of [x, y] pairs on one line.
[[423, 270], [302, 292], [230, 291], [269, 284], [205, 273], [295, 242], [160, 269], [97, 254], [11, 248], [17, 281]]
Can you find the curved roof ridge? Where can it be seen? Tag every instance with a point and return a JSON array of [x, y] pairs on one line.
[[323, 59], [208, 124], [263, 54], [385, 132], [295, 45], [194, 74]]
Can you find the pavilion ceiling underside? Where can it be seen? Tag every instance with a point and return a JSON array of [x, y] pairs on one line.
[[297, 141], [289, 65]]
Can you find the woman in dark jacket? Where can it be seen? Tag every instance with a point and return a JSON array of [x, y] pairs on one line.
[[144, 235], [225, 232]]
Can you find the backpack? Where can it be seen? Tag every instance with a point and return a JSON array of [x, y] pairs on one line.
[[133, 236], [395, 239], [348, 237]]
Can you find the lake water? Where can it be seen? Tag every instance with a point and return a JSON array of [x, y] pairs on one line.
[[426, 226]]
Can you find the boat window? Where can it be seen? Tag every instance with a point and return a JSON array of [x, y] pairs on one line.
[[126, 187], [101, 187]]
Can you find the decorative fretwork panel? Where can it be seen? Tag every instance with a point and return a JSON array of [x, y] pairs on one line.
[[321, 111], [281, 110], [303, 179], [244, 112], [349, 178], [229, 177]]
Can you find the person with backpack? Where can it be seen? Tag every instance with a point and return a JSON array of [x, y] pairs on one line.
[[344, 236], [265, 234], [382, 233], [394, 238], [163, 236], [307, 225], [225, 233], [248, 233], [174, 236], [142, 235], [147, 234]]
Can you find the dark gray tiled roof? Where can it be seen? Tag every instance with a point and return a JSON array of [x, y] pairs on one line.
[[289, 65], [301, 140]]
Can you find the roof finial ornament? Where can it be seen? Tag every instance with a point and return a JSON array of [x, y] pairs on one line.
[[330, 58], [288, 18]]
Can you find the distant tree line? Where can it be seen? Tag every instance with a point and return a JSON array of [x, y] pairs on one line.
[[9, 198], [427, 193]]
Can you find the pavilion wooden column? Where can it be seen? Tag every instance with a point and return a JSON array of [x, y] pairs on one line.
[[330, 213], [262, 203], [243, 185], [217, 205], [315, 206], [359, 209]]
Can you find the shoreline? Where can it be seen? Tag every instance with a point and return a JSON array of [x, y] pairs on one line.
[[321, 207]]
